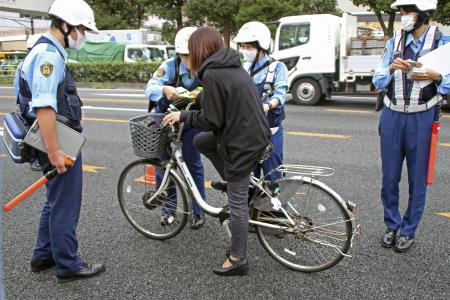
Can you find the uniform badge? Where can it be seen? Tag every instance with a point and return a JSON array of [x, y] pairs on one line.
[[46, 69], [160, 72]]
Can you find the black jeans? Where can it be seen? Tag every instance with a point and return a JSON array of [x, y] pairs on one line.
[[237, 194]]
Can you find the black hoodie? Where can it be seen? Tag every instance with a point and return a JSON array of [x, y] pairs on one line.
[[232, 110]]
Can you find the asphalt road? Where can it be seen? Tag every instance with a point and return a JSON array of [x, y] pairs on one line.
[[342, 133]]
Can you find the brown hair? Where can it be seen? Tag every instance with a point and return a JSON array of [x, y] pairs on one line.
[[203, 43]]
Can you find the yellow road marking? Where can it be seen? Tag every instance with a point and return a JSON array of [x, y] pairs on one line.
[[443, 145], [444, 214], [3, 155], [111, 100], [350, 111], [92, 169], [321, 135], [105, 120], [208, 184]]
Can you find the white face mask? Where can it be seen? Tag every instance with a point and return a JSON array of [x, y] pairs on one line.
[[79, 43], [408, 22], [249, 55]]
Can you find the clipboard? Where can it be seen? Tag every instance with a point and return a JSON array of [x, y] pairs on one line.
[[69, 140]]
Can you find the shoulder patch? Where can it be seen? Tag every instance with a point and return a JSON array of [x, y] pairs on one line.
[[46, 69], [160, 72]]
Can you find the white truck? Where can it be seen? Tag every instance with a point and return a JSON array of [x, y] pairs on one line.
[[324, 54]]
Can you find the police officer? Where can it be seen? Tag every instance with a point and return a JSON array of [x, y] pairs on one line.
[[411, 104], [46, 88], [32, 39], [271, 79], [161, 90]]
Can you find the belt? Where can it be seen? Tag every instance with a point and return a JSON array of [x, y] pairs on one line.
[[412, 108]]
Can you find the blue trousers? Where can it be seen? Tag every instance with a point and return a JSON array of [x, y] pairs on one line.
[[57, 237], [194, 163], [275, 159], [403, 136]]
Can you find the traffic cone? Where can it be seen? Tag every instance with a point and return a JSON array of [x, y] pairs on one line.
[[149, 177]]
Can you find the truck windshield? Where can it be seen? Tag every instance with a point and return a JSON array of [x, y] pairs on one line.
[[293, 35]]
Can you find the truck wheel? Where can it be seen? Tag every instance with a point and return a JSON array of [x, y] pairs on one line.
[[307, 91]]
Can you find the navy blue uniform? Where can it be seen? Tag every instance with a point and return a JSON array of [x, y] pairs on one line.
[[276, 115], [167, 75], [405, 128], [45, 81]]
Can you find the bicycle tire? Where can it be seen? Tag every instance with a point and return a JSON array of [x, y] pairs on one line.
[[134, 171], [295, 257]]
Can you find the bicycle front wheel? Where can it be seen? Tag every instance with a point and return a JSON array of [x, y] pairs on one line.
[[160, 219], [320, 236]]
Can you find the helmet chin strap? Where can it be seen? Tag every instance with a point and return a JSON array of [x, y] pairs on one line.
[[422, 18], [66, 34]]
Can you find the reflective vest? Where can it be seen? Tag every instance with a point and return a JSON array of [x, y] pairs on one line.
[[409, 96], [68, 102], [276, 115]]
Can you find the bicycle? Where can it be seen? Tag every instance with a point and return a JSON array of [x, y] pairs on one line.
[[301, 222]]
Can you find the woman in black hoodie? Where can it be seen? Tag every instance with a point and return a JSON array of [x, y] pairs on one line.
[[236, 130]]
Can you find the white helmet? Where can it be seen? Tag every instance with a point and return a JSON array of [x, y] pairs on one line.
[[422, 5], [75, 13], [254, 32], [32, 39], [182, 38]]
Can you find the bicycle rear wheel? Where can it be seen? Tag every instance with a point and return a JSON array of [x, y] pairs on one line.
[[322, 232], [160, 219]]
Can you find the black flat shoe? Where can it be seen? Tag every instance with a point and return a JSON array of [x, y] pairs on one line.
[[38, 265], [86, 271], [389, 238], [237, 268], [219, 185], [197, 222], [403, 243]]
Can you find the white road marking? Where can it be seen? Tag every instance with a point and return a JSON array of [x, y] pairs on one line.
[[121, 95], [85, 107]]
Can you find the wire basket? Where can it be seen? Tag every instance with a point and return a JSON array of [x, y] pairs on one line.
[[148, 137]]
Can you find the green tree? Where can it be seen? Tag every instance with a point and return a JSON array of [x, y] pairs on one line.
[[442, 14], [120, 14], [170, 10], [268, 11], [380, 7], [219, 13]]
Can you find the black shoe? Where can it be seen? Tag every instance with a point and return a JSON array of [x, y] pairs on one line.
[[38, 265], [219, 185], [403, 243], [197, 222], [35, 166], [166, 220], [86, 271], [389, 238], [239, 267]]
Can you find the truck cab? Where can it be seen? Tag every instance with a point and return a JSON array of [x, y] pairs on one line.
[[317, 50]]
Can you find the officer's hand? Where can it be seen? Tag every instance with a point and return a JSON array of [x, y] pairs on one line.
[[427, 75], [266, 107], [400, 64], [57, 159], [171, 118], [170, 92]]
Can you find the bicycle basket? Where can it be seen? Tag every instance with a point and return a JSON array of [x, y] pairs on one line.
[[148, 137]]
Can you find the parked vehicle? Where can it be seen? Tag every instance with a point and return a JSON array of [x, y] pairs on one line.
[[326, 54], [114, 51]]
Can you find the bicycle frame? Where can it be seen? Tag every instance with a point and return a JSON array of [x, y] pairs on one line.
[[188, 185]]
